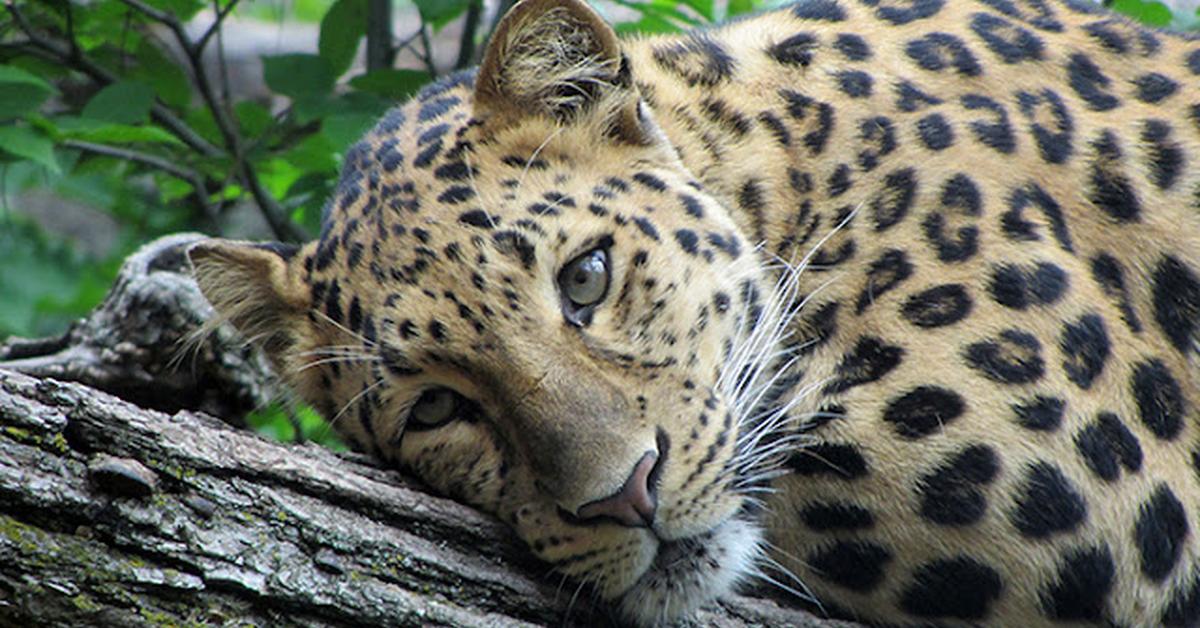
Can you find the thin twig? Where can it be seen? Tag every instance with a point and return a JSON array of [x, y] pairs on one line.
[[153, 13], [147, 159], [71, 31], [190, 176], [427, 48], [223, 67], [466, 43], [216, 25]]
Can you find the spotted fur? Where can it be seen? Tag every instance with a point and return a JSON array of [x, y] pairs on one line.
[[904, 302]]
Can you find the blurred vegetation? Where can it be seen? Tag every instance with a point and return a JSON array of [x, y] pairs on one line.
[[126, 108]]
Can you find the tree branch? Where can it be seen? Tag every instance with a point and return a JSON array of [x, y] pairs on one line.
[[466, 43], [380, 52]]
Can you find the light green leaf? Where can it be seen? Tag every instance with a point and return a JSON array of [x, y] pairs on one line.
[[648, 24], [310, 11], [342, 28], [1152, 13], [278, 176], [298, 75], [397, 85], [24, 143], [1156, 14], [124, 102], [739, 7], [703, 7], [124, 134]]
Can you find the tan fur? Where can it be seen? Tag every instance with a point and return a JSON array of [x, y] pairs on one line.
[[429, 295]]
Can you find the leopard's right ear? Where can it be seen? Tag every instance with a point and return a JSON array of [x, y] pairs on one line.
[[559, 60], [259, 288]]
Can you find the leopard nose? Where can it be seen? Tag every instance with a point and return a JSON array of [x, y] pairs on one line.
[[635, 503]]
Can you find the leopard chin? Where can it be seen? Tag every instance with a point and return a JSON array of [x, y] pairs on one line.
[[690, 572]]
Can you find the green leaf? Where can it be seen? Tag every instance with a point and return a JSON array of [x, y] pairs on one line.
[[23, 92], [184, 10], [1156, 14], [397, 85], [345, 129], [124, 134], [273, 423], [703, 7], [308, 109], [13, 74], [24, 143], [124, 102], [311, 190], [310, 11], [341, 30], [739, 7], [313, 154], [298, 75], [278, 176], [437, 13], [648, 24], [163, 74], [1152, 13], [253, 118], [201, 120]]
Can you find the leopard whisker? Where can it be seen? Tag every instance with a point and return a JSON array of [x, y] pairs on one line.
[[537, 151], [365, 391], [359, 337]]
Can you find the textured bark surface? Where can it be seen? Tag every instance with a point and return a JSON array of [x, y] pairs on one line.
[[116, 515], [138, 343]]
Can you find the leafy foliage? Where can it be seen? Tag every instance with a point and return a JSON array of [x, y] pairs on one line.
[[119, 104]]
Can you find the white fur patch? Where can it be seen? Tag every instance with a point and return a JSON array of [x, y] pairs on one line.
[[688, 573]]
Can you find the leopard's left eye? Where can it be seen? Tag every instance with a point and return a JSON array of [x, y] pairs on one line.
[[435, 407], [583, 283]]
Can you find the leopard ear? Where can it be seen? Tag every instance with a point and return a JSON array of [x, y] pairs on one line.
[[556, 59], [256, 287]]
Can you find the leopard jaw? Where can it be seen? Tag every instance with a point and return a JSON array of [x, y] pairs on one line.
[[686, 573]]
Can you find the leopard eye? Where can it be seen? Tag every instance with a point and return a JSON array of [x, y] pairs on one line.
[[434, 407], [584, 280]]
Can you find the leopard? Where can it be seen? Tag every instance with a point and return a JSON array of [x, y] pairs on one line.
[[891, 304]]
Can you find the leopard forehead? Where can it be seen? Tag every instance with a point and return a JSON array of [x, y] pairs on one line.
[[987, 368]]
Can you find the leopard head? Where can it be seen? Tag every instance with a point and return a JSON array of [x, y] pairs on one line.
[[522, 295]]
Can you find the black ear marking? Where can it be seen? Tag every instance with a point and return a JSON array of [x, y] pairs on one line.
[[285, 250]]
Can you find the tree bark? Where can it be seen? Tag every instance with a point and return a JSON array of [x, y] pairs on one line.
[[112, 514]]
